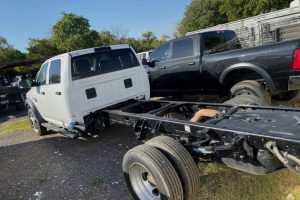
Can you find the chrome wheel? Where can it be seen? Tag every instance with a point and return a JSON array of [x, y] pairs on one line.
[[143, 182]]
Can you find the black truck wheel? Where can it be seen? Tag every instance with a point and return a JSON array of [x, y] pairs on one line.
[[251, 87], [35, 124], [150, 175], [245, 99], [182, 161]]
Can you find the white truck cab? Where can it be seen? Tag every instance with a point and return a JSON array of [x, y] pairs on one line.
[[72, 85]]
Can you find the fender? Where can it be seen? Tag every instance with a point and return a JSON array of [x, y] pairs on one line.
[[253, 67], [30, 105]]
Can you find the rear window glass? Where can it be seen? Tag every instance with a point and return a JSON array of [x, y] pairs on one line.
[[219, 41], [102, 62]]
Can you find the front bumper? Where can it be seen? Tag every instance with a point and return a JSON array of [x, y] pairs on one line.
[[294, 83]]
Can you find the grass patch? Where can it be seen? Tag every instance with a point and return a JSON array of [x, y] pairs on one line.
[[14, 126], [221, 182], [96, 182]]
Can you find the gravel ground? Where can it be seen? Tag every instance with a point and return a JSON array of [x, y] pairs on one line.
[[54, 167]]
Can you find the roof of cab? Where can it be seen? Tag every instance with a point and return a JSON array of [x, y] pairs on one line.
[[91, 50]]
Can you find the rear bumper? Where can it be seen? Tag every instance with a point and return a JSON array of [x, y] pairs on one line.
[[294, 83]]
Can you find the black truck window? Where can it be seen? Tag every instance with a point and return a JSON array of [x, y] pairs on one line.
[[42, 76], [160, 54], [54, 72], [182, 48], [220, 41], [103, 62]]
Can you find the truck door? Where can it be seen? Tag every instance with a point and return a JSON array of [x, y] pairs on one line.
[[38, 92], [183, 70], [158, 73], [56, 111]]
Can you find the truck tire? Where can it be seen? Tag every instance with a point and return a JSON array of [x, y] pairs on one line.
[[286, 96], [245, 99], [35, 124], [150, 175], [182, 162], [251, 87]]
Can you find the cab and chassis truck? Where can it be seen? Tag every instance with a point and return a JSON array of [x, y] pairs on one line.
[[83, 92]]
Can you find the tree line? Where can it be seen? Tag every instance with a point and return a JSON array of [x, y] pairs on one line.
[[73, 32]]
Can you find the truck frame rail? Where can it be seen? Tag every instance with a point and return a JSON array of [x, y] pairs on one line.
[[237, 136]]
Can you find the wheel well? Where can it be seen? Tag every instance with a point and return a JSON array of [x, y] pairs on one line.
[[239, 75]]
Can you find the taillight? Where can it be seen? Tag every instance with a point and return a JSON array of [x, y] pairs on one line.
[[296, 60]]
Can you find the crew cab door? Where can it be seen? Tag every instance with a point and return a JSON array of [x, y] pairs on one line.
[[56, 108], [37, 93], [183, 70]]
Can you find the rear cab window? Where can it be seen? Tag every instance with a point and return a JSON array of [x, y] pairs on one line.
[[103, 62], [220, 41]]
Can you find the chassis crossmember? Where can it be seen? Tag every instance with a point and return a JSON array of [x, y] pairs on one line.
[[253, 139]]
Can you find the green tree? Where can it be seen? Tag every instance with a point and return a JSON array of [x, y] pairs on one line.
[[106, 38], [4, 44], [148, 41], [41, 48], [135, 43], [11, 55], [239, 9], [201, 14], [73, 32]]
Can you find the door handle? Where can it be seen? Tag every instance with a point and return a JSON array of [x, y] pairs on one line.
[[58, 93], [191, 63], [163, 67], [43, 93]]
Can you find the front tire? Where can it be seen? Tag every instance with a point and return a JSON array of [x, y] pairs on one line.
[[150, 175], [35, 124], [251, 87]]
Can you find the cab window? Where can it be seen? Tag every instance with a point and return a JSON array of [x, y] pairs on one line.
[[160, 54], [183, 48], [42, 76], [54, 72], [220, 41]]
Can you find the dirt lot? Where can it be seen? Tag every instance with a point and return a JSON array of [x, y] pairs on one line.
[[54, 167]]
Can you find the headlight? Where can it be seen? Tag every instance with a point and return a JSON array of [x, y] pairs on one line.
[[3, 95]]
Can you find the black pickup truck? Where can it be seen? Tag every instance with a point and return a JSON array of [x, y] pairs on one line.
[[214, 63]]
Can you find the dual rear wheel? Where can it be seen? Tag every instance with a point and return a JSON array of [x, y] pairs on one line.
[[161, 169]]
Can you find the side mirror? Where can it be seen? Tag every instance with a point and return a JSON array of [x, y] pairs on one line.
[[150, 64], [144, 61], [34, 83]]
